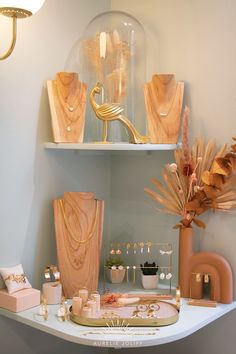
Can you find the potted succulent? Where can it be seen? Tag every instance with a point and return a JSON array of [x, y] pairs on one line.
[[149, 275], [115, 269]]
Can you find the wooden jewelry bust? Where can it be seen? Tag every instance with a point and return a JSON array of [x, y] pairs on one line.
[[163, 100], [78, 221], [67, 99]]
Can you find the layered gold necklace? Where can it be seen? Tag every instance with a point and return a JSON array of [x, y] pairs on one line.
[[69, 92], [75, 242]]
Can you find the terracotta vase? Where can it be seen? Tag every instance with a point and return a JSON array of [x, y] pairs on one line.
[[213, 265]]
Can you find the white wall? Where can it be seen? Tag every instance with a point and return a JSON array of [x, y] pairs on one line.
[[196, 41], [30, 176]]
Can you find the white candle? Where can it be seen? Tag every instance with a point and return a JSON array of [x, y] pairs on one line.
[[52, 292], [92, 304], [76, 305], [97, 298], [83, 293], [86, 312]]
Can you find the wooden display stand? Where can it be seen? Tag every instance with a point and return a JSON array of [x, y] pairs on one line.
[[78, 225], [67, 99], [163, 100]]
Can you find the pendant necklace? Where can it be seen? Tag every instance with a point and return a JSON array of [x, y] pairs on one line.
[[70, 103], [166, 113]]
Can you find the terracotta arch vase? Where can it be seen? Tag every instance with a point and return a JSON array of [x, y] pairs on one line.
[[203, 264]]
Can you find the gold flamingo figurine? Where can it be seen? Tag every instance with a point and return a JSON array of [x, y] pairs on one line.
[[108, 112]]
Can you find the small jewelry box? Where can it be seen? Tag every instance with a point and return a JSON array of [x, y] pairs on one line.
[[19, 301]]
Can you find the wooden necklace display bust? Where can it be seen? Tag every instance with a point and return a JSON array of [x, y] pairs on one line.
[[78, 224], [67, 99], [163, 100]]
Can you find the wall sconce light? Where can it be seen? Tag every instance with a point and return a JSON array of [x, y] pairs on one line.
[[17, 9]]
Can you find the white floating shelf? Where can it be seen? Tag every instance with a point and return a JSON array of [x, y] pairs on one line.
[[191, 319], [111, 147]]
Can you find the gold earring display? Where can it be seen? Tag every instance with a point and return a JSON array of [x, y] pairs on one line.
[[206, 278], [43, 310], [62, 311], [198, 277]]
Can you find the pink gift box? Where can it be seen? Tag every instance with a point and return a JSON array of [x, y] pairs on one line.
[[20, 300]]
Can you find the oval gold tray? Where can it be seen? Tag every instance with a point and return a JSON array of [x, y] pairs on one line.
[[166, 315]]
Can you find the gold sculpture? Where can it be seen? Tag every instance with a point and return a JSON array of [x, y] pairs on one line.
[[108, 112]]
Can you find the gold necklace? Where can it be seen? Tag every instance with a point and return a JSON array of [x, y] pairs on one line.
[[71, 234], [165, 114], [71, 109], [76, 249]]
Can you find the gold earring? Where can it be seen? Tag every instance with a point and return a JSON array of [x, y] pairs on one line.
[[134, 273], [198, 277], [141, 244], [149, 246], [112, 251], [118, 251], [127, 273], [127, 247]]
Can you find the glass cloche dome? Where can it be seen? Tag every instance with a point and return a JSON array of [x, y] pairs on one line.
[[112, 52]]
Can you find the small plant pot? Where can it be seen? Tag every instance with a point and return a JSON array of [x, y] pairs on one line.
[[116, 276], [150, 281]]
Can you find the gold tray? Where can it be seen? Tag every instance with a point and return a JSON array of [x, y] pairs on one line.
[[167, 315]]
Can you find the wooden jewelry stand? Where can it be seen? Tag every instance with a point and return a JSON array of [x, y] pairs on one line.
[[163, 100], [67, 99], [78, 225]]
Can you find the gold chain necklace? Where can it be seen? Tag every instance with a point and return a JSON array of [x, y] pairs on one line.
[[165, 114], [70, 109], [90, 234]]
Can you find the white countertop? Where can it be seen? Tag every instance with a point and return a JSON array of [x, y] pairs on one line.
[[192, 318]]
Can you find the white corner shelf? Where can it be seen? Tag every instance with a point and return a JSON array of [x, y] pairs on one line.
[[112, 146], [192, 318]]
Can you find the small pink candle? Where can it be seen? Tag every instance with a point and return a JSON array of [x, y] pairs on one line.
[[76, 305], [92, 304], [83, 293]]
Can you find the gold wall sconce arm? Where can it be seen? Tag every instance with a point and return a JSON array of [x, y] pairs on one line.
[[13, 40], [16, 13]]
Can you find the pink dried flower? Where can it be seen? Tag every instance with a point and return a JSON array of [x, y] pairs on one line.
[[185, 141]]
